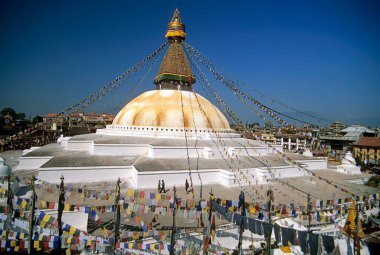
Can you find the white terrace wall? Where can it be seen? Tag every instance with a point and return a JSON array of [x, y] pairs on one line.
[[86, 174], [80, 145], [176, 177], [120, 149]]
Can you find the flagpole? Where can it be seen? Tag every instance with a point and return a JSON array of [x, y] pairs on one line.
[[9, 208], [269, 237], [208, 237], [31, 216], [61, 204], [309, 207], [241, 230], [357, 238], [172, 240], [117, 216]]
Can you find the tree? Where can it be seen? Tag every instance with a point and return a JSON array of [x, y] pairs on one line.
[[9, 111], [20, 116], [37, 119], [358, 160], [374, 181], [268, 124]]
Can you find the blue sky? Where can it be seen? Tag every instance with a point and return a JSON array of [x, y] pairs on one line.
[[317, 56]]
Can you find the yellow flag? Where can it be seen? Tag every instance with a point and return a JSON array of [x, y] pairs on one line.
[[42, 223], [43, 204], [67, 207], [72, 230], [130, 193], [46, 217]]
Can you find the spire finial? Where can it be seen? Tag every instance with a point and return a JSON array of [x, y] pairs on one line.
[[176, 29]]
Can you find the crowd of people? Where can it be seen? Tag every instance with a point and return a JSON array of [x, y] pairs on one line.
[[25, 142]]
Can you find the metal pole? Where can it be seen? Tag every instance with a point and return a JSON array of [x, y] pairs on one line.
[[117, 205], [31, 216], [269, 237], [172, 240], [61, 205], [241, 228]]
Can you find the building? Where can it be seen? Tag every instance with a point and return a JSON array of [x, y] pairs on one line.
[[341, 142], [92, 118], [50, 118], [75, 119], [291, 139], [337, 126], [367, 149], [293, 142]]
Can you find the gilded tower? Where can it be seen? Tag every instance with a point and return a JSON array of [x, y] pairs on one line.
[[175, 71]]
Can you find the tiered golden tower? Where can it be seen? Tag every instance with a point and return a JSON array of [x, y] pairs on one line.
[[175, 71]]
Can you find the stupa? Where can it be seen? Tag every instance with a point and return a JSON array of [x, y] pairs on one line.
[[348, 165], [168, 133], [172, 109]]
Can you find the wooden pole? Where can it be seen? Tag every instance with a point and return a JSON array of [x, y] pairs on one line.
[[269, 237], [7, 226], [61, 206], [309, 207], [31, 216], [172, 240], [357, 235], [208, 238], [241, 230], [117, 216]]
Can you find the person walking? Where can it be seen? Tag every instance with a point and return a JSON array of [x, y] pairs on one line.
[[159, 186], [163, 187], [187, 186], [241, 199]]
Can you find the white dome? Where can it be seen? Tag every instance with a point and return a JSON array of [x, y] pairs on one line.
[[171, 108], [307, 153]]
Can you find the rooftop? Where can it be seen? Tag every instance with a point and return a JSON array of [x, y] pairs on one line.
[[368, 142], [357, 129]]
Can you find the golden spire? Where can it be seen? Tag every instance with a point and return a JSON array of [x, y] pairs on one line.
[[176, 29], [175, 71]]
